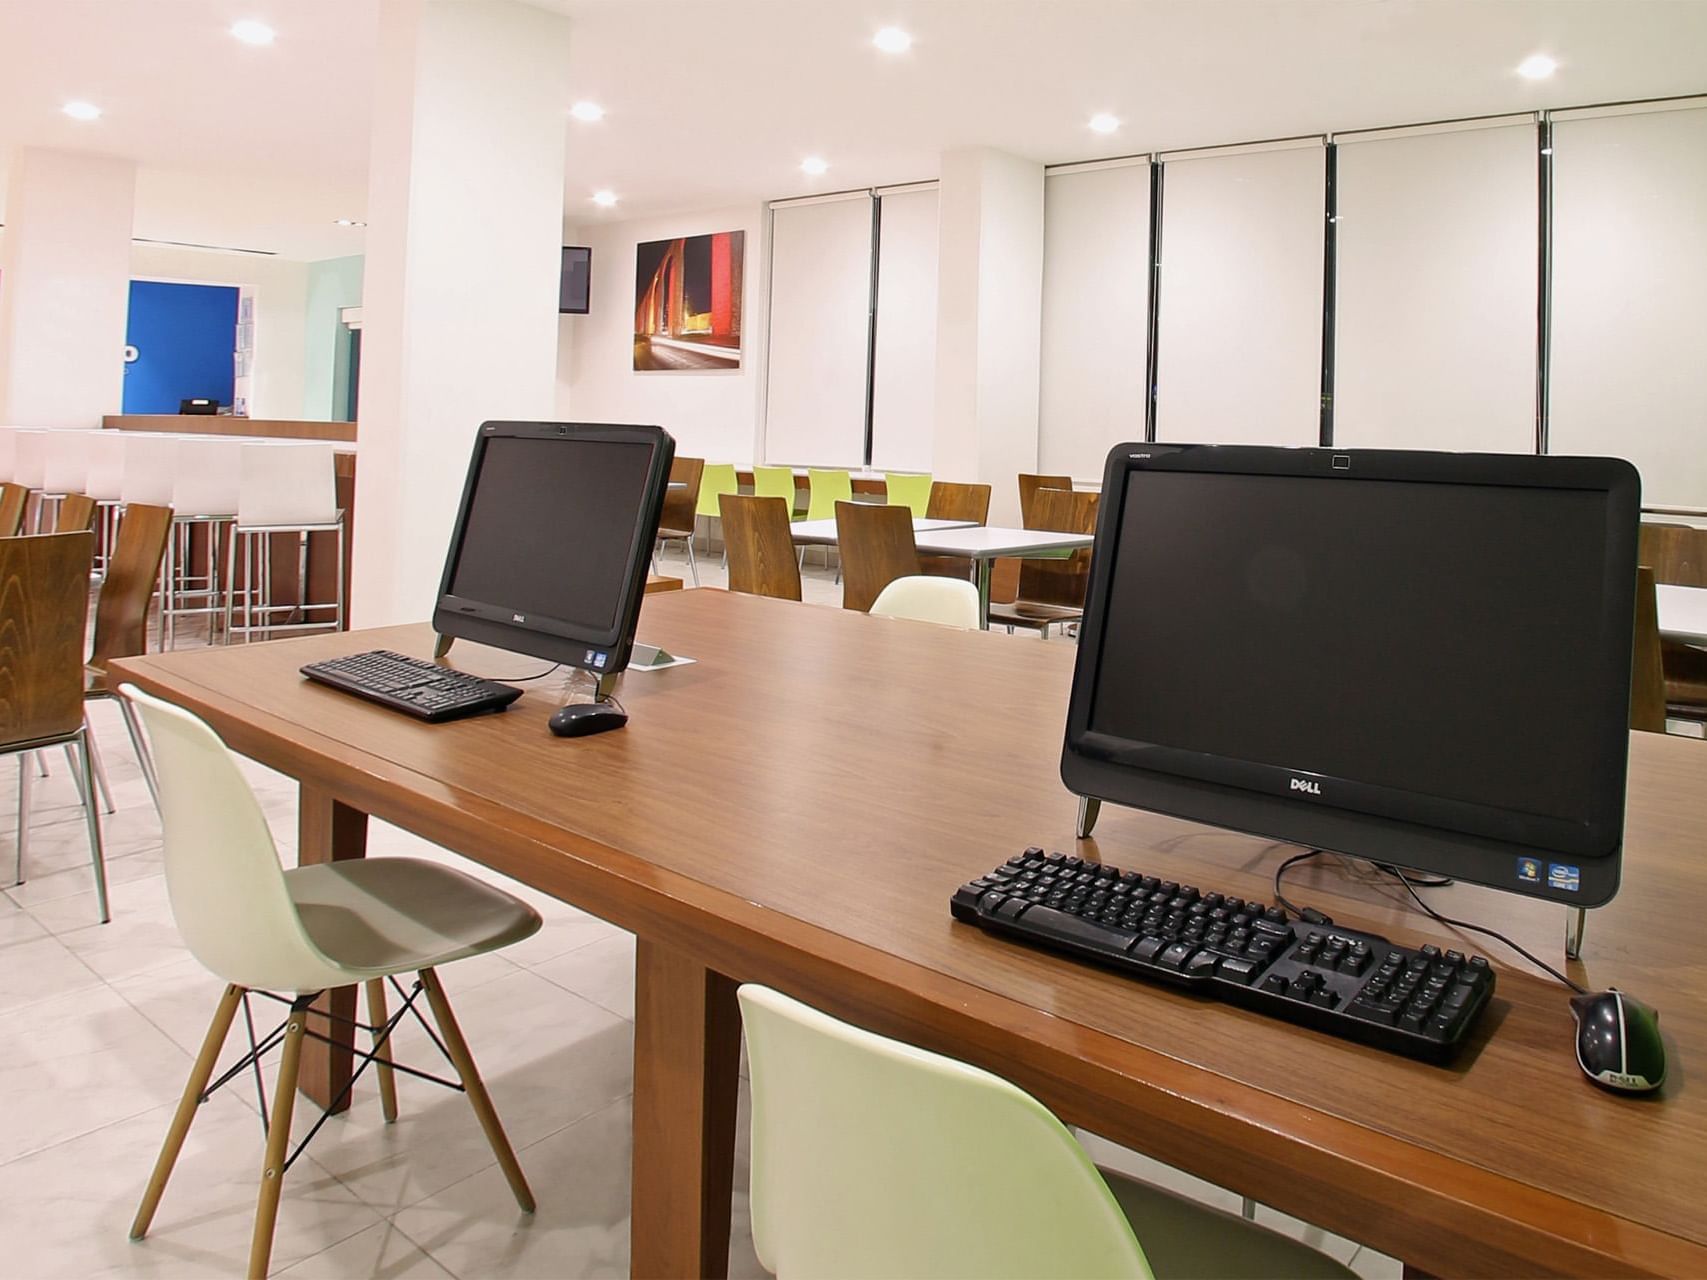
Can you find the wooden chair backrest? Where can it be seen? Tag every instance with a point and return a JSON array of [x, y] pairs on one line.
[[950, 501], [761, 552], [877, 547], [1677, 554], [681, 500], [1028, 487], [44, 605], [76, 512], [1647, 674], [1060, 582], [121, 612], [14, 498]]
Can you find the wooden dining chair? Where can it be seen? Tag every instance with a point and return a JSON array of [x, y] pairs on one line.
[[44, 606], [121, 617], [952, 501], [14, 499], [1677, 554], [76, 513], [877, 547], [1028, 487], [1647, 675], [1052, 592], [761, 552], [681, 499]]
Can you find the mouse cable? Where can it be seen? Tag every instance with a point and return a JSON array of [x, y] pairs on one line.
[[1312, 916], [1498, 937], [524, 679]]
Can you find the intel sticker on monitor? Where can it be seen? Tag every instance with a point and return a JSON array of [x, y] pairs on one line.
[[1560, 876]]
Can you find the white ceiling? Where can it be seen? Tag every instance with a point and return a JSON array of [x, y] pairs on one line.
[[714, 102]]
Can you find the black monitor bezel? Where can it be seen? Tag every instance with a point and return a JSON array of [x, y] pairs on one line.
[[556, 639], [1240, 797], [585, 309]]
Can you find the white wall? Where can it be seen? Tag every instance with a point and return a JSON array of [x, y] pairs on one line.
[[62, 311], [280, 288], [712, 415]]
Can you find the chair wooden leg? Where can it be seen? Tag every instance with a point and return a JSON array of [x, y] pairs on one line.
[[382, 1050], [278, 1144], [478, 1098], [200, 1073]]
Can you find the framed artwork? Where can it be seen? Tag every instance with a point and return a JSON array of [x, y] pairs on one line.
[[687, 304]]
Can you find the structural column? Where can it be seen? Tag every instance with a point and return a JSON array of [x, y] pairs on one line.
[[989, 318], [459, 299], [64, 287]]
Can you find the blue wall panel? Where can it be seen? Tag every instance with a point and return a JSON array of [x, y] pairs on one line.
[[184, 335]]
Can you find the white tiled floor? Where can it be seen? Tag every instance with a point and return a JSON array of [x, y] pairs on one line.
[[98, 1024]]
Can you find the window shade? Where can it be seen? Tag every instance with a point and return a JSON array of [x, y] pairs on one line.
[[903, 397], [1096, 316], [815, 389], [1240, 306]]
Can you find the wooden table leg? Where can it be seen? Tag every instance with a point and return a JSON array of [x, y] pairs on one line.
[[328, 831], [687, 1045]]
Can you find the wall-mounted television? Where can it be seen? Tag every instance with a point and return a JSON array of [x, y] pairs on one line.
[[572, 289]]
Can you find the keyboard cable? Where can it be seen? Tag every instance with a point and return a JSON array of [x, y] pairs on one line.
[[1312, 916]]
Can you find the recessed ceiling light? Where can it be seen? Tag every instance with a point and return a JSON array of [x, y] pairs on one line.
[[604, 199], [1537, 66], [82, 110], [814, 165], [348, 222], [588, 111], [251, 32], [1102, 122], [892, 40]]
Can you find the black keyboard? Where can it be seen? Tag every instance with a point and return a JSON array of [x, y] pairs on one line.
[[1421, 1003], [412, 685]]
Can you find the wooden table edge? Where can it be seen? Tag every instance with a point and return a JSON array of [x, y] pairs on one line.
[[1182, 1102]]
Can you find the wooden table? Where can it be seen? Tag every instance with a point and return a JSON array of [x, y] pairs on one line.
[[820, 860], [1683, 613], [656, 582]]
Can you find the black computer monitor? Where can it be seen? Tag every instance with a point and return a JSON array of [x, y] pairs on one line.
[[1417, 658], [553, 540], [575, 280]]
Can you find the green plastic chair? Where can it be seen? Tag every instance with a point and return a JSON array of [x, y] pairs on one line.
[[908, 490], [828, 488], [717, 478], [776, 482], [871, 1158]]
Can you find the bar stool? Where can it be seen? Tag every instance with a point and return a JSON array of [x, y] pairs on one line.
[[8, 453], [65, 470], [205, 477], [104, 482], [288, 490]]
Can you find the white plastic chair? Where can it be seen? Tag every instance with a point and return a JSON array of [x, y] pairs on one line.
[[873, 1159], [262, 928], [289, 489], [924, 598]]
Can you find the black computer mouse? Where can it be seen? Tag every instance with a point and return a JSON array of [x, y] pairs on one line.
[[1618, 1041], [578, 719]]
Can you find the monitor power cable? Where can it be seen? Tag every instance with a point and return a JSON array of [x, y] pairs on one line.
[[1311, 916]]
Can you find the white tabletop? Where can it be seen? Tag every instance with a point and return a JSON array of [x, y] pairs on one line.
[[1683, 613], [822, 533], [986, 542]]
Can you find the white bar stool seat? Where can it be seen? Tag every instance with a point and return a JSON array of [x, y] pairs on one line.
[[285, 489], [206, 476]]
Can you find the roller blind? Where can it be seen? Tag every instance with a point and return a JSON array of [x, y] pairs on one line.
[[1629, 358], [1437, 285], [1240, 305], [815, 390], [903, 391], [1096, 316]]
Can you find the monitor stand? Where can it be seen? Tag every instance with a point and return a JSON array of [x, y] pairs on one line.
[[640, 655], [1089, 808]]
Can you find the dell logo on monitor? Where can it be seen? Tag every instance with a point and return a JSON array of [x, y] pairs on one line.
[[518, 617], [1306, 786]]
